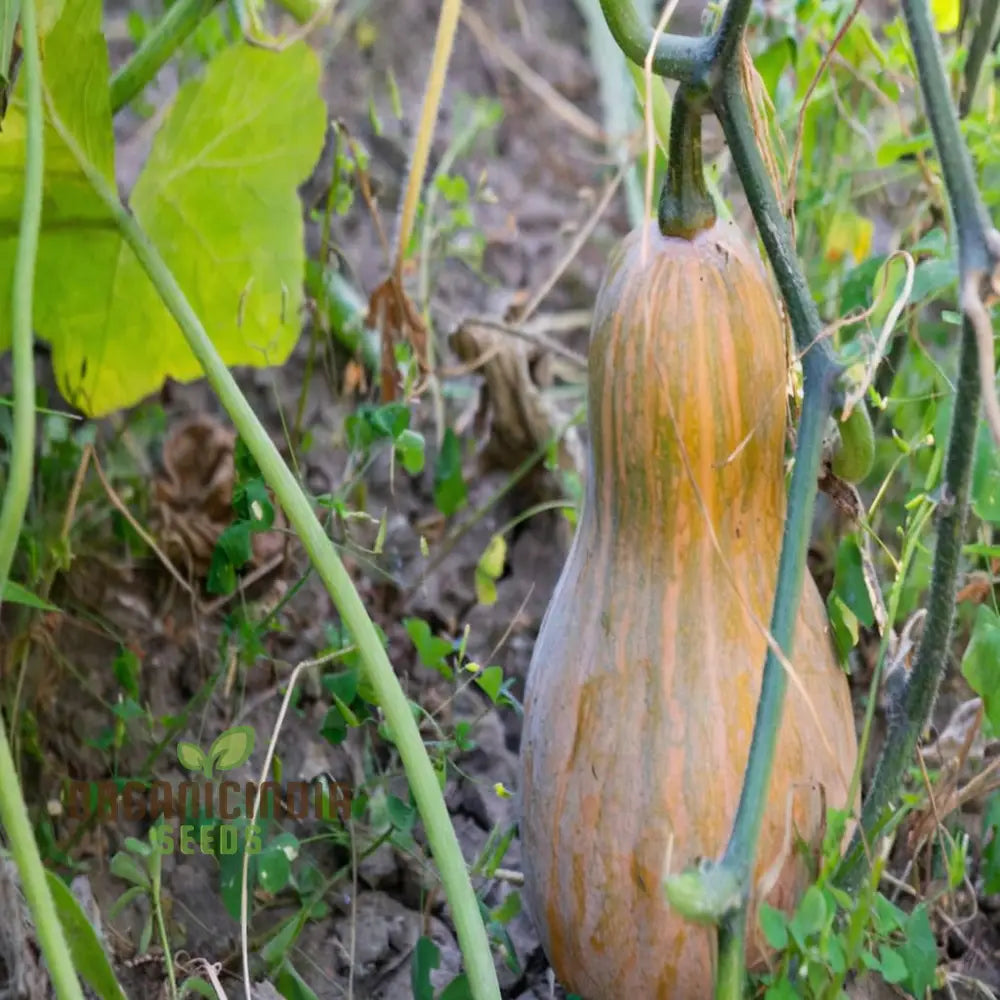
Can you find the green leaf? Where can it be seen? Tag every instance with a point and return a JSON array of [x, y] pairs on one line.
[[199, 986], [274, 863], [118, 906], [934, 241], [450, 493], [810, 917], [137, 846], [72, 215], [836, 960], [894, 149], [843, 624], [124, 866], [991, 845], [491, 681], [291, 985], [985, 497], [774, 924], [782, 990], [431, 649], [410, 448], [489, 569], [231, 876], [892, 964], [343, 685], [426, 958], [14, 593], [849, 580], [981, 662], [932, 277], [235, 544], [232, 747], [919, 951], [345, 710], [457, 989], [856, 290], [127, 668], [145, 936], [887, 916], [771, 63], [508, 909], [191, 756], [89, 958], [369, 424], [401, 814], [217, 197], [334, 726], [283, 939]]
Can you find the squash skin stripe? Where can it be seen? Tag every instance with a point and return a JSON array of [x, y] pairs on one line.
[[642, 689]]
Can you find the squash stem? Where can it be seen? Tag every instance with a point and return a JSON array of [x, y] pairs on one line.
[[677, 56], [730, 978], [686, 208]]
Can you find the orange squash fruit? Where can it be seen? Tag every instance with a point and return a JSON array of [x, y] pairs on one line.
[[643, 686]]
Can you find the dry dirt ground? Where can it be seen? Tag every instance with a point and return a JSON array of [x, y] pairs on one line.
[[546, 179]]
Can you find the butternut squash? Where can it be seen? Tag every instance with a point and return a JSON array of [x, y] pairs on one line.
[[643, 686]]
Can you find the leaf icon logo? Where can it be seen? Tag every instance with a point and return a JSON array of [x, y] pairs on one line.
[[191, 756], [230, 749]]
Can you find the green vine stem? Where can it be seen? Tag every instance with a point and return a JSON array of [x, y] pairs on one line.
[[978, 254], [685, 207], [323, 554], [984, 34], [731, 109], [13, 814], [169, 34], [677, 56], [971, 220], [908, 718]]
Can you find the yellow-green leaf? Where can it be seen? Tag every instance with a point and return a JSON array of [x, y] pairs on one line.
[[217, 196], [490, 569]]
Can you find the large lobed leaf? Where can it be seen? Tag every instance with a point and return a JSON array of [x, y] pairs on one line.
[[217, 197]]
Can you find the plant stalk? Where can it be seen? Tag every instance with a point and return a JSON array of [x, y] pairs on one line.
[[13, 813], [807, 327], [984, 34], [323, 554], [741, 850], [731, 976], [908, 718], [677, 56], [967, 207], [169, 34]]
